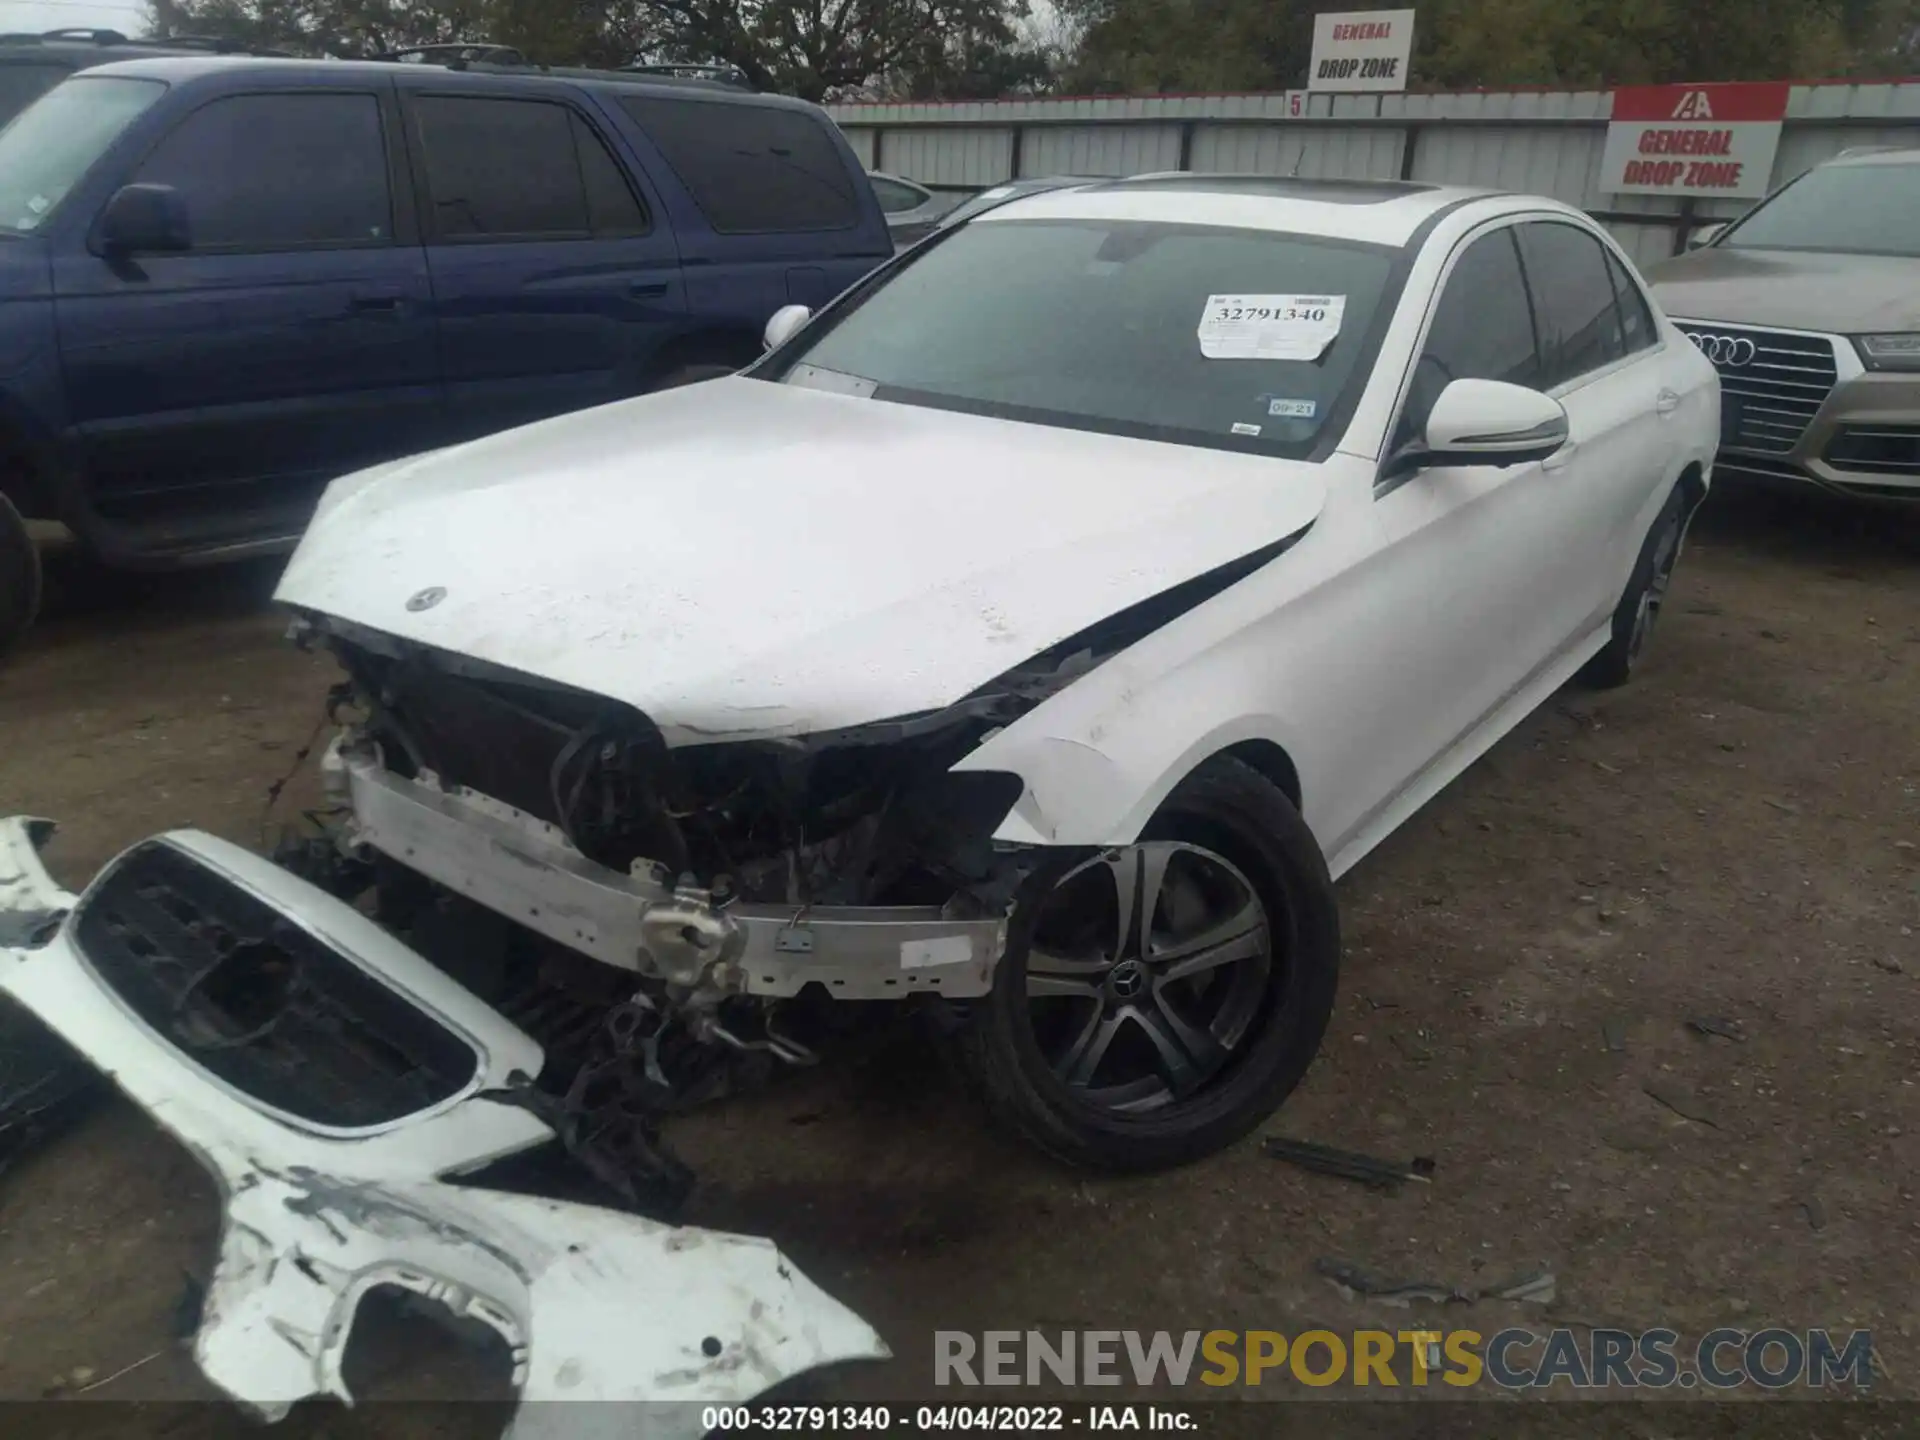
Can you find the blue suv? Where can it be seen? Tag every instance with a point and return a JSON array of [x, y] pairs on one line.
[[225, 281]]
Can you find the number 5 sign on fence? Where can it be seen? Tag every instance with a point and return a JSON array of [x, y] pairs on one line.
[[1693, 139]]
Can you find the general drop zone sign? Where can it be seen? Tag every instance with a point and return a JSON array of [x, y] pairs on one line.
[[1363, 50], [1693, 139]]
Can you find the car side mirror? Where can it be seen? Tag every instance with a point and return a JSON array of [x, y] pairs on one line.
[[783, 325], [1489, 422], [1705, 235], [143, 219]]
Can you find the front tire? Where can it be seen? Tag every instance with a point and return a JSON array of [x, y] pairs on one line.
[[1639, 608], [1159, 1000], [20, 576]]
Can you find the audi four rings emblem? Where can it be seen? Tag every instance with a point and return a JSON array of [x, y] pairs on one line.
[[1732, 351]]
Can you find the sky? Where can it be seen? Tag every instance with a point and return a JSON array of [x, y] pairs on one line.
[[127, 16]]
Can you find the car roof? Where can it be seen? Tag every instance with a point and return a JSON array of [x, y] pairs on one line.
[[1386, 212], [1877, 155], [181, 69], [1047, 182], [971, 207]]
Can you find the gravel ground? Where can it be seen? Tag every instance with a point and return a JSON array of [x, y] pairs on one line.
[[1731, 837]]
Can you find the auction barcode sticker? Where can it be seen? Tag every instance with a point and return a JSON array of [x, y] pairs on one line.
[[1269, 327]]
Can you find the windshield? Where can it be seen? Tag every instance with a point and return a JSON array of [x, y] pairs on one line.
[[1843, 209], [51, 143], [23, 83], [1242, 339]]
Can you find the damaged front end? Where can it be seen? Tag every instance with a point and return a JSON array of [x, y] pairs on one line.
[[858, 860], [351, 1100], [669, 925], [671, 921]]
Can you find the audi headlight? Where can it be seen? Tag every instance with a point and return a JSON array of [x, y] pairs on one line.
[[1889, 352]]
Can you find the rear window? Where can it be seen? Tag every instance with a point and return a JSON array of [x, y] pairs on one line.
[[520, 170], [752, 169], [23, 83], [500, 169]]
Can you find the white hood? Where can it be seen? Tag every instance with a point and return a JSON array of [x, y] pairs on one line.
[[738, 558]]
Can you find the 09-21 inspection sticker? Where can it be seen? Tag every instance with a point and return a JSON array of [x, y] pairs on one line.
[[1270, 327]]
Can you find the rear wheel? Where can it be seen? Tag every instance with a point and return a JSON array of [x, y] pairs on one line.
[[20, 577], [1639, 608], [1159, 1000]]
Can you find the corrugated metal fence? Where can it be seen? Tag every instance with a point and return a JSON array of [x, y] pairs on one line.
[[1544, 142]]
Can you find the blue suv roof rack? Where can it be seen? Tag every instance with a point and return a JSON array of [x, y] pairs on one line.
[[94, 35], [731, 75], [455, 54], [484, 55]]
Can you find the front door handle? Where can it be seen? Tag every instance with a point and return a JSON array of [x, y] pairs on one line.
[[647, 289], [1668, 402], [375, 304]]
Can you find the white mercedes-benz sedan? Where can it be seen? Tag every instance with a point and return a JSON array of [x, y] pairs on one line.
[[1032, 636]]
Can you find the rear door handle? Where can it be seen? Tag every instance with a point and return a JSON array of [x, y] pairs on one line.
[[375, 304], [1561, 458], [1668, 402], [647, 290]]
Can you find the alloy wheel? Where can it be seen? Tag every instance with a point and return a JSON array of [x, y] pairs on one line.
[[1147, 972]]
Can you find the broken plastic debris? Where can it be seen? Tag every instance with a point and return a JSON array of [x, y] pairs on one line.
[[1714, 1025], [1681, 1101], [1535, 1286], [1539, 1286], [1353, 1282], [1349, 1164]]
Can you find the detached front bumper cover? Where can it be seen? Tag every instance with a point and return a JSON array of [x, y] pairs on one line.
[[593, 1304]]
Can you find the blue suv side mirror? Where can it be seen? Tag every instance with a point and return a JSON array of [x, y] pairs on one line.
[[143, 219]]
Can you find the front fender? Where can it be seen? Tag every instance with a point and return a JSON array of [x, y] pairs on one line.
[[1097, 759]]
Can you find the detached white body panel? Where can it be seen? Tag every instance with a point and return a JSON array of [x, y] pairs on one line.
[[594, 1304]]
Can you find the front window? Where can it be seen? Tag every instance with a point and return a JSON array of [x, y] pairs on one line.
[[22, 83], [1841, 209], [1240, 339], [55, 140]]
